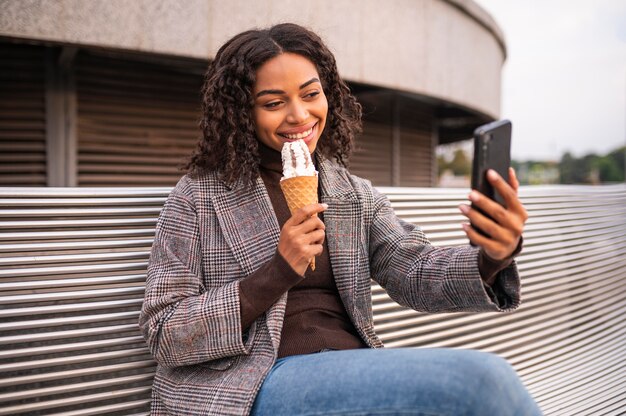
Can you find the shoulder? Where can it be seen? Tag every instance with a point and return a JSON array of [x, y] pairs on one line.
[[339, 178], [196, 188]]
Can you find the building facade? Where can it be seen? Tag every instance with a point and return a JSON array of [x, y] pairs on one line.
[[96, 93]]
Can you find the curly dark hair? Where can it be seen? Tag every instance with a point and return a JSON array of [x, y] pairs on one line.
[[229, 144]]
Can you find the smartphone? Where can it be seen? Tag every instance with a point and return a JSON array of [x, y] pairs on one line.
[[492, 150]]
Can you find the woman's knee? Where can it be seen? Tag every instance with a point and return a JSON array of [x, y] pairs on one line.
[[485, 366], [496, 384], [488, 372]]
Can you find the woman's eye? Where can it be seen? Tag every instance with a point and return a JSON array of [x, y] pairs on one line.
[[312, 94], [273, 104]]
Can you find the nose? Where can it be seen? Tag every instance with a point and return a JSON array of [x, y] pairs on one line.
[[298, 112]]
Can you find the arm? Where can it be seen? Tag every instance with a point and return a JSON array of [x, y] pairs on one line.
[[301, 237], [432, 279], [262, 288], [182, 321]]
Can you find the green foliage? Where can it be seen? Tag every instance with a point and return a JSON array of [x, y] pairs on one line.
[[616, 171], [608, 170], [461, 165], [589, 169], [572, 170]]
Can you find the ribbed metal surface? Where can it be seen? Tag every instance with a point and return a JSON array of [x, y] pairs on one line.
[[417, 147], [73, 261], [396, 146], [568, 339], [373, 153], [72, 271], [137, 121], [22, 115]]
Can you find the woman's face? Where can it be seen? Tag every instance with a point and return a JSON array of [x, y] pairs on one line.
[[289, 103]]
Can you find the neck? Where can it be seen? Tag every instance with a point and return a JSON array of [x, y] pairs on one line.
[[270, 158]]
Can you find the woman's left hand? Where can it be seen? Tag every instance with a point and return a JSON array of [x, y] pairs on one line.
[[506, 223]]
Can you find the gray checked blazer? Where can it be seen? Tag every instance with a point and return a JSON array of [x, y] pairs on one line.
[[209, 236]]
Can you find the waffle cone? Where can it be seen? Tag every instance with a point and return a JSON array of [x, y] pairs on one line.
[[300, 191]]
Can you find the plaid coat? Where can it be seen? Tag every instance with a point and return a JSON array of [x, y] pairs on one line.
[[209, 236]]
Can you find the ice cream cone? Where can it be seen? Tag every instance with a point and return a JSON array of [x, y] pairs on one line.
[[300, 191]]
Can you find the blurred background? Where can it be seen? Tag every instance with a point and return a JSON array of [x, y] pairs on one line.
[[106, 93], [99, 107], [564, 88]]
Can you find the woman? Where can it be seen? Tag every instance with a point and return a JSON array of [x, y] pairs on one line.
[[237, 321]]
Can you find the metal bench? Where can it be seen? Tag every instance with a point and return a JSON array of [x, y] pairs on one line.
[[72, 270]]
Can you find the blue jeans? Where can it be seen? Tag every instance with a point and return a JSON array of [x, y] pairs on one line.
[[403, 381]]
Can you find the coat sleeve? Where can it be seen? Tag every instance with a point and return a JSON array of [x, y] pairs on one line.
[[183, 322], [432, 279]]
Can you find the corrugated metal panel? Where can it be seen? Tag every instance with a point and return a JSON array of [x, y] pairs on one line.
[[73, 264], [397, 146], [22, 116], [568, 339], [417, 148], [137, 121], [372, 156], [72, 270], [373, 153]]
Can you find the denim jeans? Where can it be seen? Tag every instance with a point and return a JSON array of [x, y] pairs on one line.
[[403, 381]]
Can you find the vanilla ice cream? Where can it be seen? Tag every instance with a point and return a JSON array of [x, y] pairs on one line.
[[297, 160]]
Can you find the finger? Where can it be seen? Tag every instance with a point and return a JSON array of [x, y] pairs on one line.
[[496, 212], [513, 179], [316, 237], [316, 250], [507, 192], [484, 223], [480, 240], [307, 211], [309, 225]]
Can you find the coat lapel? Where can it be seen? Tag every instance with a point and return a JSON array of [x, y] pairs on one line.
[[248, 224], [251, 230], [344, 233]]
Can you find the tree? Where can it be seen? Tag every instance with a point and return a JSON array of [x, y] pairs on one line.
[[460, 164], [617, 156], [593, 168], [571, 169], [609, 170]]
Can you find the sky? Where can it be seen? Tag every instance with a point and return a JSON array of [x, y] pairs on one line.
[[564, 80]]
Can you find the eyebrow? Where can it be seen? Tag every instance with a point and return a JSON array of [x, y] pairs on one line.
[[266, 92]]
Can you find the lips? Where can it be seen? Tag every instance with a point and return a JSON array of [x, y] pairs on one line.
[[305, 132], [299, 135]]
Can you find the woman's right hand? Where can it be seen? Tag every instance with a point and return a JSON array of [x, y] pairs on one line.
[[302, 236]]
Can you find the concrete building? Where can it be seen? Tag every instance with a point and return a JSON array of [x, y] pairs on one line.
[[106, 93]]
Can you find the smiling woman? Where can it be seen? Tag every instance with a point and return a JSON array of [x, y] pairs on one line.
[[246, 92], [238, 321]]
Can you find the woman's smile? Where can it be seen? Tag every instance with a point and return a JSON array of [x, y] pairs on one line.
[[306, 132]]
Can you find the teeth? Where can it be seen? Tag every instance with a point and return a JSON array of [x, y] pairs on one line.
[[299, 135]]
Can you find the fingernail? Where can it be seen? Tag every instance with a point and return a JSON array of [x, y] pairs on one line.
[[324, 205], [465, 226], [492, 174], [473, 196], [464, 208]]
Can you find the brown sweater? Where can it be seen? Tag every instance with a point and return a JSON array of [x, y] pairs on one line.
[[315, 318]]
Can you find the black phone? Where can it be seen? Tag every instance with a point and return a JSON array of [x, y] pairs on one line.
[[492, 150]]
